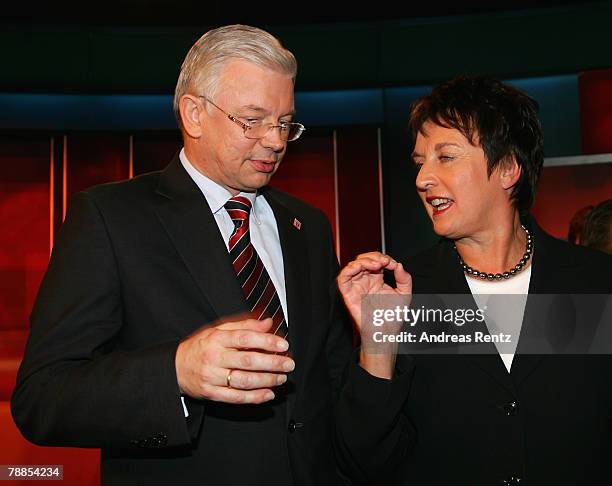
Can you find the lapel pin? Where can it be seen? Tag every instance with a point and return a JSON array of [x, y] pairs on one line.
[[296, 223]]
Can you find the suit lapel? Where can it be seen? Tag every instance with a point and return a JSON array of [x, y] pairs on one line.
[[447, 277], [186, 217], [547, 274], [485, 355], [297, 285]]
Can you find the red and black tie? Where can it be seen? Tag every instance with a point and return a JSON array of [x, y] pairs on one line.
[[258, 289]]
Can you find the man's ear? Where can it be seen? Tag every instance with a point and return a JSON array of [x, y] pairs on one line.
[[190, 110], [509, 172]]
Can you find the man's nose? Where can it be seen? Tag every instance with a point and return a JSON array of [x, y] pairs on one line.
[[273, 139]]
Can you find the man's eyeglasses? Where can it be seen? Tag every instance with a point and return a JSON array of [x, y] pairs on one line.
[[256, 129]]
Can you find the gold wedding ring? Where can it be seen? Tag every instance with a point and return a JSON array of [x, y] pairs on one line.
[[228, 378]]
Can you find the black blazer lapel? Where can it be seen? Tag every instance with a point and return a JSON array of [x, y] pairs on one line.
[[297, 285], [443, 275], [548, 275], [186, 216]]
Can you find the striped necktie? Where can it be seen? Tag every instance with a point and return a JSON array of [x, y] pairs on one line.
[[257, 287]]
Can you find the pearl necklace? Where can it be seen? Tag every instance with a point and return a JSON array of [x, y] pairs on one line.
[[499, 276]]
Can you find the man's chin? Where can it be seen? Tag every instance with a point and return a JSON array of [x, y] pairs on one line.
[[256, 182]]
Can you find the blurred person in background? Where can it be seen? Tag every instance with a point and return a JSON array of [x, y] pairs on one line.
[[574, 234], [597, 229]]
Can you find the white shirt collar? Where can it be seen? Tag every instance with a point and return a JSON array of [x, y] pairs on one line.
[[215, 194]]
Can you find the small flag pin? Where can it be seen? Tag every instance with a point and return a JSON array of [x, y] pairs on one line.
[[296, 223]]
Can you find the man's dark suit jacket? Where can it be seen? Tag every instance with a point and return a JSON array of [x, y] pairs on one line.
[[464, 420], [137, 266]]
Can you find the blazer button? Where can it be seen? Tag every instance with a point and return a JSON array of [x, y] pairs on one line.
[[512, 481], [511, 409], [293, 426]]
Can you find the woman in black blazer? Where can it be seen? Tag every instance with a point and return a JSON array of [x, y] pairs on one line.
[[539, 413]]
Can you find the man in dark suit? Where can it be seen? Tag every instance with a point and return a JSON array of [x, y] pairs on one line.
[[187, 323]]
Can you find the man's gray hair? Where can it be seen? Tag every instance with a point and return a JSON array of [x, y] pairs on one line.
[[204, 61]]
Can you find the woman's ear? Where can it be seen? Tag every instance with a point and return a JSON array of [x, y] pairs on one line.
[[509, 172]]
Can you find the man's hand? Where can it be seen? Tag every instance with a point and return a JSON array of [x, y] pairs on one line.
[[364, 276], [246, 349]]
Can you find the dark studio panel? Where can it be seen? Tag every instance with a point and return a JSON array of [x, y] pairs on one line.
[[153, 151], [95, 158], [359, 186], [596, 111], [407, 226]]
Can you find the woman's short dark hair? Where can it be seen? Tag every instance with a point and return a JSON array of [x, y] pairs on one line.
[[501, 119]]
